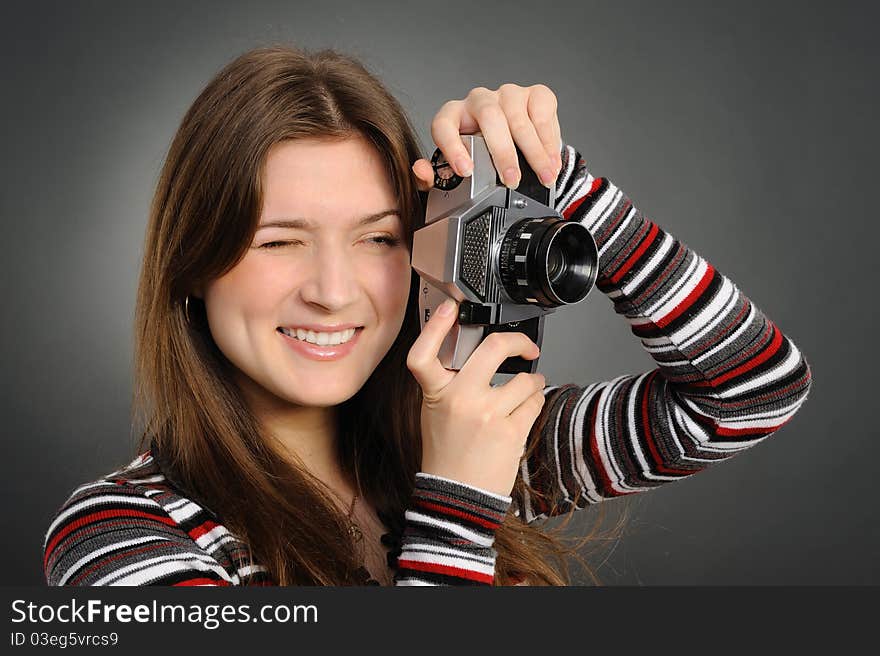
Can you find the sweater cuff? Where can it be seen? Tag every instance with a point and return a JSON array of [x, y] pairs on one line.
[[449, 533]]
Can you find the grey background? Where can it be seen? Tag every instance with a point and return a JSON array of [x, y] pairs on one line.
[[746, 130]]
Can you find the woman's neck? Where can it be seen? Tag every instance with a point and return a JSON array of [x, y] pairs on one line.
[[305, 435]]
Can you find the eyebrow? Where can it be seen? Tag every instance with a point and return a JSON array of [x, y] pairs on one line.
[[306, 224]]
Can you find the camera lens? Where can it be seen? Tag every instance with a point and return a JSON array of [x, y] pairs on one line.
[[548, 261], [555, 264]]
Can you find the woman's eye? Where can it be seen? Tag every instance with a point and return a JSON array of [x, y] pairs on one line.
[[276, 244], [385, 240]]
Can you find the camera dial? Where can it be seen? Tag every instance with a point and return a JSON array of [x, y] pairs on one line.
[[445, 177]]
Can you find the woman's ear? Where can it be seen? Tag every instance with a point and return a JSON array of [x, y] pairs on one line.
[[198, 293]]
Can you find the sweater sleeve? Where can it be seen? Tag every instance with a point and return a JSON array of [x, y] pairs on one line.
[[449, 532], [112, 534], [726, 376]]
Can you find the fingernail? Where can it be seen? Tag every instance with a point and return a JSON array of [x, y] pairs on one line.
[[548, 176], [463, 164], [511, 178], [446, 308]]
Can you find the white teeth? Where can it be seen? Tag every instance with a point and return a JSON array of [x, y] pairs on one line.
[[321, 339]]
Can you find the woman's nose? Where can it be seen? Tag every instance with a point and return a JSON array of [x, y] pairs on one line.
[[331, 280]]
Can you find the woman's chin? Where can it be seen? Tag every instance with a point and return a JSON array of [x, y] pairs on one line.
[[323, 396]]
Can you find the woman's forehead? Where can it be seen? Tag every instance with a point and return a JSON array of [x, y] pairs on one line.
[[309, 176]]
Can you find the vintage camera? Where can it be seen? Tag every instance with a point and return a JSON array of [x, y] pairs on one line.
[[505, 255]]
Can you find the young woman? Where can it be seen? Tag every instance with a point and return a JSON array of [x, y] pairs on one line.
[[298, 427]]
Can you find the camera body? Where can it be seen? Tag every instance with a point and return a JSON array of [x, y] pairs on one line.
[[506, 256]]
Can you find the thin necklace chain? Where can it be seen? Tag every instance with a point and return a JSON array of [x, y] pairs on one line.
[[353, 529]]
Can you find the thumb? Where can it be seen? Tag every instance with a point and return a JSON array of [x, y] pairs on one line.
[[423, 359], [424, 173]]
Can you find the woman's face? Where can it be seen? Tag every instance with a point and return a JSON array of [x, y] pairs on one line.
[[314, 264]]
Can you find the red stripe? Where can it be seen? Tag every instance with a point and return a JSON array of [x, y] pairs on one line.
[[201, 581], [457, 513], [777, 393], [597, 459], [445, 498], [611, 226], [652, 234], [568, 211], [662, 276], [758, 430], [201, 529], [447, 569], [751, 364], [97, 516], [92, 529], [649, 437], [714, 337], [689, 299], [109, 559]]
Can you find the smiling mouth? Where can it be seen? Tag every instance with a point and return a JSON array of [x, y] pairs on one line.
[[310, 337]]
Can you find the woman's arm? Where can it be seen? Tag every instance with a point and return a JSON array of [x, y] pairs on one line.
[[727, 377], [449, 532], [113, 534]]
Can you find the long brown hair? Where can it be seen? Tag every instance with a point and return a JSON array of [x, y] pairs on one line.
[[203, 217]]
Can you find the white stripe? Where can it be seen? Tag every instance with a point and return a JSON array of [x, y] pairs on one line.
[[655, 312], [619, 229], [578, 428], [208, 539], [99, 500], [601, 210], [452, 527], [430, 546], [632, 438], [247, 570], [180, 515], [767, 423], [150, 479], [110, 547], [460, 563], [145, 571], [697, 323], [750, 317], [773, 415], [678, 436], [603, 436], [780, 371], [650, 265], [673, 300], [719, 447], [415, 581], [494, 495], [580, 186], [182, 501], [709, 329]]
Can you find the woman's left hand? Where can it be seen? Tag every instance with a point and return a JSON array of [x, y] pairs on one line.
[[511, 114]]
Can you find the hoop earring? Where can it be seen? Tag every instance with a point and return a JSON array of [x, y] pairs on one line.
[[186, 310]]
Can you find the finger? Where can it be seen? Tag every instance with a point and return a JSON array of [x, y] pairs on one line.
[[499, 141], [542, 110], [483, 363], [514, 101], [445, 131], [424, 174], [422, 359], [517, 390], [528, 411]]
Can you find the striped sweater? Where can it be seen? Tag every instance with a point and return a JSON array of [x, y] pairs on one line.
[[726, 379]]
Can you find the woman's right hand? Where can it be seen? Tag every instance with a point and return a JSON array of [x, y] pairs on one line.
[[472, 432]]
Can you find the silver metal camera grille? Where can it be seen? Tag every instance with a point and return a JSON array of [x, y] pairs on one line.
[[479, 234]]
